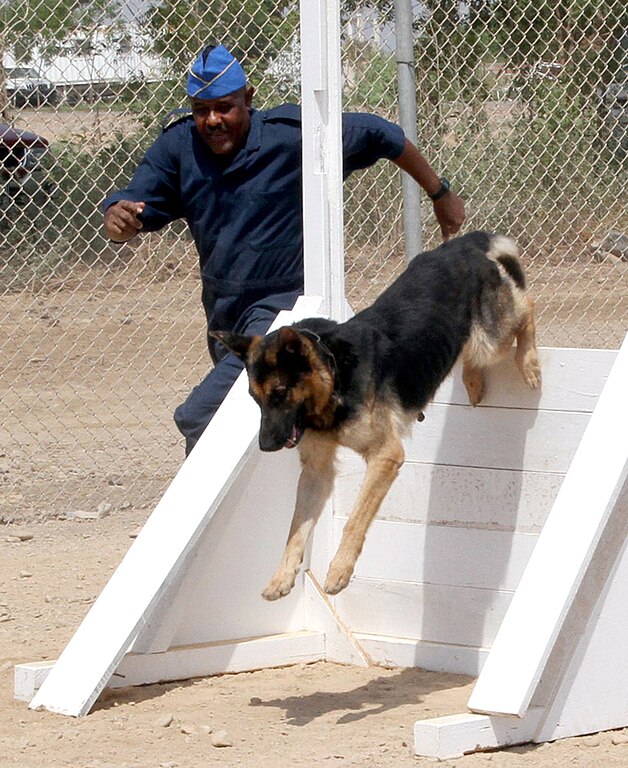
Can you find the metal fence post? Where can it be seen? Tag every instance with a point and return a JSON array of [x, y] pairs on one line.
[[404, 53]]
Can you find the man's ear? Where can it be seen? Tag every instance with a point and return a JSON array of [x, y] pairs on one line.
[[235, 342]]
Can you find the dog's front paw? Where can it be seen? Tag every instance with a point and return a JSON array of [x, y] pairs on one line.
[[338, 577], [532, 375], [530, 369], [280, 585]]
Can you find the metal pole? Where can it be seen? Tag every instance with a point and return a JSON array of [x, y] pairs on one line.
[[404, 54]]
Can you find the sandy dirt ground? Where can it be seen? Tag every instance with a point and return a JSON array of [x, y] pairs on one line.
[[309, 715], [90, 126]]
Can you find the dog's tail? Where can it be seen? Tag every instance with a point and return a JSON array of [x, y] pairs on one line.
[[505, 251]]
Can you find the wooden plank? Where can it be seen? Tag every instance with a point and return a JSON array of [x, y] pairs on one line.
[[427, 612], [452, 736], [29, 677], [499, 438], [321, 102], [584, 686], [217, 658], [572, 381], [503, 438], [388, 651], [493, 499], [444, 555], [159, 553], [582, 510], [198, 660]]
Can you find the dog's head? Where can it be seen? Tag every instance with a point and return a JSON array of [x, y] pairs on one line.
[[290, 378]]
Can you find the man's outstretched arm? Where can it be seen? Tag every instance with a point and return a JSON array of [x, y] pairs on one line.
[[449, 208]]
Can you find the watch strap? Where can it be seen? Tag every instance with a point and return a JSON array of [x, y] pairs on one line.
[[443, 190]]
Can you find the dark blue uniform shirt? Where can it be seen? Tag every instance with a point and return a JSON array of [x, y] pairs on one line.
[[245, 216]]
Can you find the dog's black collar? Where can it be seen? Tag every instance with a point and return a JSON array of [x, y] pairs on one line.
[[324, 350]]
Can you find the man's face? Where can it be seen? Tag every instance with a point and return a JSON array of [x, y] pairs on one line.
[[224, 123]]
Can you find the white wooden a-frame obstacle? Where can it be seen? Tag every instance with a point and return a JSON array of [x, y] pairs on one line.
[[454, 575], [558, 666]]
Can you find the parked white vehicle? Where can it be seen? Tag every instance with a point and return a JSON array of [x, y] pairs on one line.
[[26, 87]]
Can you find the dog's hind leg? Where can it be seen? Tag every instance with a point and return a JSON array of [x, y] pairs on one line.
[[381, 470], [474, 380], [477, 354], [316, 481], [526, 356]]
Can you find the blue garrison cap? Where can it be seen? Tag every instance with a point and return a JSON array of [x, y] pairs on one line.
[[214, 74]]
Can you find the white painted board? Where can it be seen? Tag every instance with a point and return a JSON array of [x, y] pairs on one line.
[[477, 497], [453, 736], [499, 438], [202, 660], [321, 104], [443, 555], [566, 548], [199, 660], [427, 612], [390, 651], [590, 692], [572, 381]]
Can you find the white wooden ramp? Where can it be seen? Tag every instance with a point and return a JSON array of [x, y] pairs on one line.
[[558, 666], [185, 600]]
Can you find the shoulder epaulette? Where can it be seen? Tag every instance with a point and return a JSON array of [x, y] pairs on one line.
[[176, 116], [286, 113]]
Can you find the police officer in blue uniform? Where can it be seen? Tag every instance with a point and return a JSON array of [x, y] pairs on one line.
[[234, 174]]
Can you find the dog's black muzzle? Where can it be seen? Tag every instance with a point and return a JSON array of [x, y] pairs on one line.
[[280, 429]]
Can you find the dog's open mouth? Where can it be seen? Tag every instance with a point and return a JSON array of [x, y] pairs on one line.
[[295, 437], [298, 428]]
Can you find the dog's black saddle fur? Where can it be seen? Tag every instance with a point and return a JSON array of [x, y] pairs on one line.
[[411, 336]]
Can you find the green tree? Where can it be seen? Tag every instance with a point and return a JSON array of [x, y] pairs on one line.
[[583, 36], [254, 30], [45, 25]]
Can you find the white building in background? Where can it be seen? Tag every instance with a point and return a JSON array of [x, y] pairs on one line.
[[95, 59]]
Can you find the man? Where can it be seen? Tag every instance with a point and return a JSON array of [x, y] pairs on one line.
[[234, 173]]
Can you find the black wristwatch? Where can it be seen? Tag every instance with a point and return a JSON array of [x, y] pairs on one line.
[[443, 190]]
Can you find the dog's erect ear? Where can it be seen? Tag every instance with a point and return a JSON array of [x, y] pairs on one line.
[[235, 342], [290, 340]]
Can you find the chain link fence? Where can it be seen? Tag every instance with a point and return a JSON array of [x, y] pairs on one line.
[[523, 104]]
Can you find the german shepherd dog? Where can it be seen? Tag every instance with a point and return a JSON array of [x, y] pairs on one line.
[[362, 383]]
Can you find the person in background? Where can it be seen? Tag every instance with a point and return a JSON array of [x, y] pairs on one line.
[[234, 173]]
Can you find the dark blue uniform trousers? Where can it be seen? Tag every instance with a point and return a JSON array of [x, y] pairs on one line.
[[193, 415]]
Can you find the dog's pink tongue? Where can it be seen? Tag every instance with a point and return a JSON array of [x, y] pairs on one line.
[[294, 437]]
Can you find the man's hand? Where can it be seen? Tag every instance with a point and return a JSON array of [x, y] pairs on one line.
[[122, 220], [449, 212]]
